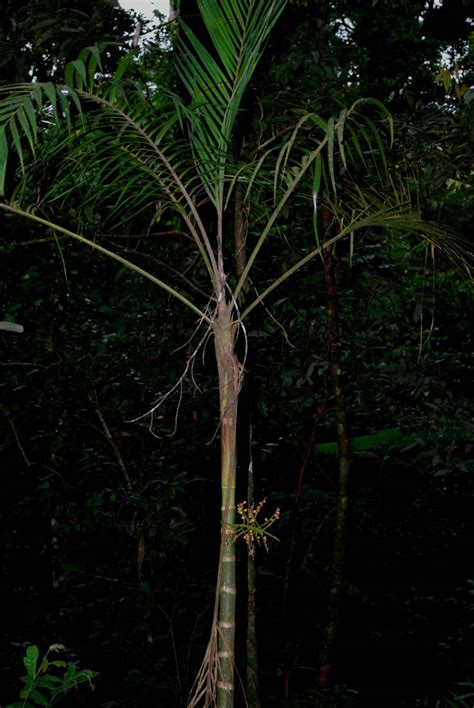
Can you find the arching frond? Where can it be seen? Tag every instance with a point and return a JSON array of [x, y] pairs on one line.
[[101, 145]]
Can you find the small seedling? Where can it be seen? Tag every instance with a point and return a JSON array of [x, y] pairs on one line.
[[44, 687]]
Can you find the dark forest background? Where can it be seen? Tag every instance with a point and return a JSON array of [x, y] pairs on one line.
[[109, 533]]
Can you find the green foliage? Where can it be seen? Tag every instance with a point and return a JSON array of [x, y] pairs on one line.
[[464, 698], [38, 39], [362, 443], [95, 337], [48, 681]]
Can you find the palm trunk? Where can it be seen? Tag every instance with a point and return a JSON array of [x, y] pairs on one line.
[[229, 371], [337, 566], [240, 243]]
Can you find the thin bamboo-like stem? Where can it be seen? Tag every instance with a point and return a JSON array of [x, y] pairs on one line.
[[337, 565], [240, 255], [252, 655], [299, 486], [230, 375], [111, 440], [18, 441]]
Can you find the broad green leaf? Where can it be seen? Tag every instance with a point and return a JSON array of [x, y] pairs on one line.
[[123, 66], [31, 659], [91, 58], [45, 23], [94, 51], [69, 74], [365, 442], [49, 682], [320, 122], [80, 74], [446, 79], [38, 697]]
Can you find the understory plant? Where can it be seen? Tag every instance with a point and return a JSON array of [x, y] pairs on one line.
[[97, 156], [48, 680]]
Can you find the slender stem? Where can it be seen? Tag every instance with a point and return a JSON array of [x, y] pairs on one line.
[[111, 254], [299, 486], [252, 654], [240, 242], [111, 440], [344, 459], [18, 441], [230, 374]]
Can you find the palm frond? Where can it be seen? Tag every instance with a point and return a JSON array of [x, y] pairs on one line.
[[238, 30], [21, 116], [112, 149]]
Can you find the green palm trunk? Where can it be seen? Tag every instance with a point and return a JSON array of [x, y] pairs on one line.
[[229, 371]]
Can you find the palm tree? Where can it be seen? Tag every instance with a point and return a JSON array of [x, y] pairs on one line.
[[106, 149]]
